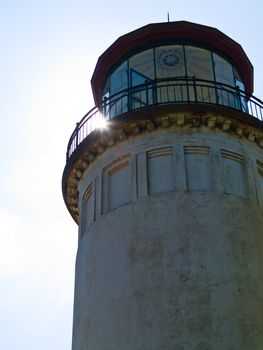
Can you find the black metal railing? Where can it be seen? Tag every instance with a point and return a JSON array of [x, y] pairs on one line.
[[184, 90]]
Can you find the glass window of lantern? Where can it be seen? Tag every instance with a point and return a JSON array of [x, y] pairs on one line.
[[141, 67], [238, 80], [223, 70], [105, 97], [119, 79], [199, 63], [242, 98], [106, 90], [199, 66], [106, 87], [170, 61]]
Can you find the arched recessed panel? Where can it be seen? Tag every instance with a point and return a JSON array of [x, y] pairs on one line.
[[197, 164], [160, 170], [87, 209], [234, 173], [116, 184]]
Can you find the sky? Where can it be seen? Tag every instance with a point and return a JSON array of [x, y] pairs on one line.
[[49, 50]]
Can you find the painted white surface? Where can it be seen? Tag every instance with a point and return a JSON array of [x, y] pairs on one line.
[[179, 269]]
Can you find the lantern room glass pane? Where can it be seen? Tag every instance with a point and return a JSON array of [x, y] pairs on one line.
[[236, 74], [106, 89], [238, 80], [199, 66], [141, 67], [119, 78], [223, 70], [224, 74], [169, 61], [243, 98], [199, 63], [106, 95]]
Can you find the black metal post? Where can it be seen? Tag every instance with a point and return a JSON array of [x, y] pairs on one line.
[[77, 134], [195, 92], [147, 92], [239, 97]]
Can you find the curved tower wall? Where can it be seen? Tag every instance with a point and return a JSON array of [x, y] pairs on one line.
[[168, 196], [171, 256]]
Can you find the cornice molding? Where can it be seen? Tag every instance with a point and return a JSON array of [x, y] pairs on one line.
[[121, 129]]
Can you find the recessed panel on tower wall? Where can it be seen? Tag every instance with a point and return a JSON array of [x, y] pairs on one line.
[[118, 185], [260, 176], [234, 176], [87, 210], [197, 168], [160, 170]]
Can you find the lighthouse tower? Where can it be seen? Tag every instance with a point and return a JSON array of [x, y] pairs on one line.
[[164, 177]]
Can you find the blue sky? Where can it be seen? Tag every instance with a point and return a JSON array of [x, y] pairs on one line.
[[48, 52]]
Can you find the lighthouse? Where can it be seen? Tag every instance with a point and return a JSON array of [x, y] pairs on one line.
[[164, 177]]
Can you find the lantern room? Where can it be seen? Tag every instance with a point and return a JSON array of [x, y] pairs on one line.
[[174, 62]]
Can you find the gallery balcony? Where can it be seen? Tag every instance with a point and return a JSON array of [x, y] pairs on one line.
[[177, 94]]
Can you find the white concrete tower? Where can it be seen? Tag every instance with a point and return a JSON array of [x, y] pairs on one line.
[[168, 196]]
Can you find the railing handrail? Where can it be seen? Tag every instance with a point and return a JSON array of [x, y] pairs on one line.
[[185, 81]]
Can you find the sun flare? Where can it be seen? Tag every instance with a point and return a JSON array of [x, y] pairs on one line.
[[100, 122]]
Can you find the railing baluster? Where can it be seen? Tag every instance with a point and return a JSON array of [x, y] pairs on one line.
[[77, 134], [195, 93], [228, 101], [161, 97], [251, 107], [147, 92], [239, 97]]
